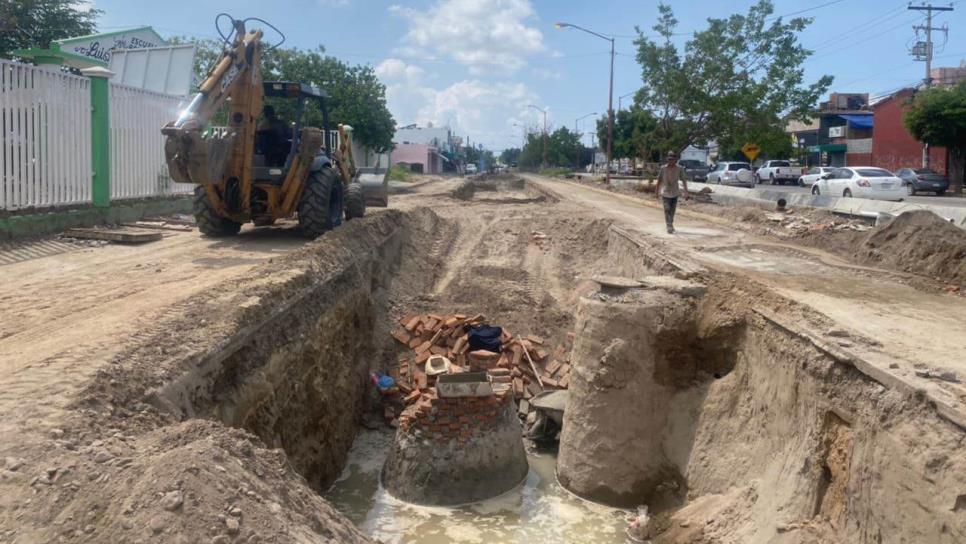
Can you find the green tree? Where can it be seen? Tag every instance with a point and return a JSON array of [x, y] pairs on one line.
[[510, 156], [357, 97], [36, 23], [937, 116], [740, 78], [635, 130], [563, 146]]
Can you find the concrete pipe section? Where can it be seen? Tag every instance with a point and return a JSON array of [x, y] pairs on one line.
[[632, 350]]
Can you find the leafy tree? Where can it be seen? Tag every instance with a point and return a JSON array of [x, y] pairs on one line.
[[511, 155], [36, 23], [740, 78], [563, 146], [635, 130], [937, 116], [357, 97]]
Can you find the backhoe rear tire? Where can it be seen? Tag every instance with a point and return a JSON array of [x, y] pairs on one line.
[[320, 207], [355, 201], [209, 222]]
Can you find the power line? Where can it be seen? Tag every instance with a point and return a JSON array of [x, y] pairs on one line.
[[806, 10], [838, 47]]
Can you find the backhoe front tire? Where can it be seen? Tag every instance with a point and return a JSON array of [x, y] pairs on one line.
[[320, 206], [209, 222], [355, 201]]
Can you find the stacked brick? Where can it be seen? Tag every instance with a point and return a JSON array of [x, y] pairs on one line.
[[454, 419], [524, 365]]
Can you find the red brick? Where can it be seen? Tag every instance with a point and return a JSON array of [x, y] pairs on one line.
[[415, 342], [535, 339], [402, 336], [411, 323], [438, 350], [412, 397], [484, 355]]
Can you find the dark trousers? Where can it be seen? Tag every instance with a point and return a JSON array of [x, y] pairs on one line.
[[670, 206]]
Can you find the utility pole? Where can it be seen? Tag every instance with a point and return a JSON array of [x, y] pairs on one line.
[[923, 51], [577, 146], [544, 112]]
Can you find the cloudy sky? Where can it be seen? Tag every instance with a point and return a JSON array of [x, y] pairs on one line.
[[476, 65]]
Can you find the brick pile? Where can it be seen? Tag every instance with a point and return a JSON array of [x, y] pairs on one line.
[[525, 365]]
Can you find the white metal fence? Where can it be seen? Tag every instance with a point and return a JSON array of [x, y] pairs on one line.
[[45, 152], [138, 167]]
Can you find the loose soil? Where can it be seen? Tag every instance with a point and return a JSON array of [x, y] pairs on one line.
[[921, 243], [123, 424]]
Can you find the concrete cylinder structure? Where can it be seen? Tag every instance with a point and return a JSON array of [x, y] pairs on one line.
[[630, 355], [456, 451]]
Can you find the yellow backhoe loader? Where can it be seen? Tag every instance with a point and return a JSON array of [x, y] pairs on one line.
[[260, 172]]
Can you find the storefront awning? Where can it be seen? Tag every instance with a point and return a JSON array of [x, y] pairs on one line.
[[858, 120]]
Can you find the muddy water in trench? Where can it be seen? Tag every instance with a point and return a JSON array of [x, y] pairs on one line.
[[538, 511]]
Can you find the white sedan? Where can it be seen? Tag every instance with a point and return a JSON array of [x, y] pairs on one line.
[[810, 177], [860, 182]]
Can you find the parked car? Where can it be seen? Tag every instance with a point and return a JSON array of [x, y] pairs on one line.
[[923, 179], [813, 174], [861, 182], [470, 168], [695, 170], [727, 173], [777, 173]]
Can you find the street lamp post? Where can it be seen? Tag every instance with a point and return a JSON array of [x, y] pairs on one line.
[[577, 145], [610, 96], [544, 112], [523, 135]]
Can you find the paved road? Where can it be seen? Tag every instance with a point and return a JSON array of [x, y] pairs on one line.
[[928, 198], [869, 303]]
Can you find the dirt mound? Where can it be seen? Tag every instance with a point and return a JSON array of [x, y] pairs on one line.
[[922, 243]]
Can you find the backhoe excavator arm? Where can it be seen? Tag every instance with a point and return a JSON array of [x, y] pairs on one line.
[[214, 161]]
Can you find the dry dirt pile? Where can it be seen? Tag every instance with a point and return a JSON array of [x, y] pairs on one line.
[[919, 242]]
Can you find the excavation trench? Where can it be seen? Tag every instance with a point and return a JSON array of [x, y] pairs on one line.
[[691, 397]]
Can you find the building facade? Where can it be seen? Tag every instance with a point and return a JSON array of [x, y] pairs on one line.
[[423, 149], [892, 145]]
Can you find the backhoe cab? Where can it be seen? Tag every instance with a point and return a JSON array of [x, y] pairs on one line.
[[260, 169]]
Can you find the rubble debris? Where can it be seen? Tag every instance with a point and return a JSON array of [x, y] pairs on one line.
[[524, 365]]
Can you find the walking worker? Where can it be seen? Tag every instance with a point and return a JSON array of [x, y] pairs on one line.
[[668, 190]]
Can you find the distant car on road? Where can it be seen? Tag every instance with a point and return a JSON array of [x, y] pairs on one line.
[[470, 168], [726, 173], [813, 174], [923, 179], [777, 173], [861, 182], [695, 170]]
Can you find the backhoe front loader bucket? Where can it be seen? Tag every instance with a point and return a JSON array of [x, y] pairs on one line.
[[195, 158], [375, 186]]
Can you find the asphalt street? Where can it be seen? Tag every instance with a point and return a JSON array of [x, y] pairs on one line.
[[927, 198]]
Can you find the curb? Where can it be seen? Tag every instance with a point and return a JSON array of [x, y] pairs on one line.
[[52, 221]]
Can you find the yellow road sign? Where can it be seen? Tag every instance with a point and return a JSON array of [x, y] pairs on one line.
[[751, 151]]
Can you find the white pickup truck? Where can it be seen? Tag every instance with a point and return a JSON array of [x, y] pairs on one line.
[[778, 173]]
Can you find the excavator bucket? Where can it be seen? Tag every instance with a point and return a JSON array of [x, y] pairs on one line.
[[195, 158], [375, 186]]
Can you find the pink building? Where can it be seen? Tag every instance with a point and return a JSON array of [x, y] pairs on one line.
[[425, 155]]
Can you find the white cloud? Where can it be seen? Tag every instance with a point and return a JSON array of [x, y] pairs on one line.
[[485, 111], [395, 70], [484, 35]]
